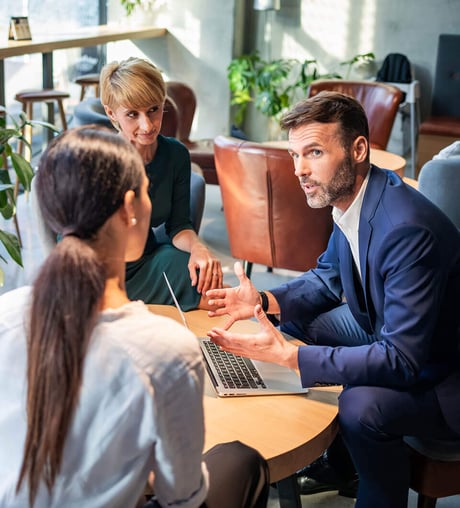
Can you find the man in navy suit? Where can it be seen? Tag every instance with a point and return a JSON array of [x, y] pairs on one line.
[[381, 309]]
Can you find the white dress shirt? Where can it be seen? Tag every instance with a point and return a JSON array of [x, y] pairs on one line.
[[348, 221]]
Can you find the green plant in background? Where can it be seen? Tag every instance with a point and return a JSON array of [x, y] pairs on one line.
[[24, 174], [363, 58], [131, 5], [274, 85]]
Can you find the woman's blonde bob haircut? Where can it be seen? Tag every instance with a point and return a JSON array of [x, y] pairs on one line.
[[133, 83]]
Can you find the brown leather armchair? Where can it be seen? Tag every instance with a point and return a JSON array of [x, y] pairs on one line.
[[380, 102], [268, 219], [201, 151]]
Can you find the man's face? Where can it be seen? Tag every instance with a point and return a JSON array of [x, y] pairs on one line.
[[327, 174]]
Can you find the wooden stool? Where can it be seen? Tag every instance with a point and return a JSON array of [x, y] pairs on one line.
[[28, 98], [88, 80]]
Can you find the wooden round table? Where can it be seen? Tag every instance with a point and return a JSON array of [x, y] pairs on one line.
[[290, 431], [388, 160]]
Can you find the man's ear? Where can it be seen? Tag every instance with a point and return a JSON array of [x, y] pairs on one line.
[[360, 149]]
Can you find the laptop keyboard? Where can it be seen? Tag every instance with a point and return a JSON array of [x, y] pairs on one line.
[[234, 371]]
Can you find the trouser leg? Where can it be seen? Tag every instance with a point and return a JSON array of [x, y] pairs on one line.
[[340, 460], [373, 421], [238, 477], [336, 327]]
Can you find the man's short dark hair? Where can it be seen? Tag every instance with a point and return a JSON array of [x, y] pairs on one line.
[[330, 107]]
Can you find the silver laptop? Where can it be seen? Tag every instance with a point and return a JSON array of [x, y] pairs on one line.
[[236, 376]]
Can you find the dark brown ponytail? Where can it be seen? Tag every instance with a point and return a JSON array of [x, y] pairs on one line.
[[82, 179]]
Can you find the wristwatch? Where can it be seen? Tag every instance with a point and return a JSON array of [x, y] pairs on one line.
[[264, 298]]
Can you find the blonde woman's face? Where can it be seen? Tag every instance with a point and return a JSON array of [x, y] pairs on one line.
[[139, 126]]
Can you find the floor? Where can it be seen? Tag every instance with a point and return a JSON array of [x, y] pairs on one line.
[[213, 232]]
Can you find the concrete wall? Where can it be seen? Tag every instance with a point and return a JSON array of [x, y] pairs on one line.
[[197, 50], [332, 31], [204, 35]]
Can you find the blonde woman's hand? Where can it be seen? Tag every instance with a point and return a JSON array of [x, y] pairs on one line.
[[204, 268]]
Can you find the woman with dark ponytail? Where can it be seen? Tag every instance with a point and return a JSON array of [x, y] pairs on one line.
[[95, 394]]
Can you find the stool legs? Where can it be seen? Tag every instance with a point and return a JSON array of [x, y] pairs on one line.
[[27, 99], [85, 86], [62, 113]]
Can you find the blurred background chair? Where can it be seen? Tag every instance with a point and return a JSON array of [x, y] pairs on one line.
[[380, 102], [202, 150], [268, 219], [88, 81], [28, 98], [442, 127], [439, 181]]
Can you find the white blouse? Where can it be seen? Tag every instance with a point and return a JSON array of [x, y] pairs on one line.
[[140, 409]]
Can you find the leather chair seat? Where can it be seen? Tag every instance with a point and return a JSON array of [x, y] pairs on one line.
[[202, 150], [202, 153], [441, 126], [435, 469]]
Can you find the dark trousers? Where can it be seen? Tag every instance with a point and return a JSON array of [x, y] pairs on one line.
[[373, 421], [238, 478]]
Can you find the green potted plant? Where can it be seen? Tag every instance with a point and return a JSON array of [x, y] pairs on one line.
[[24, 174], [272, 86], [131, 5]]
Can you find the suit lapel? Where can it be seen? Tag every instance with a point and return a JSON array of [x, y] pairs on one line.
[[356, 288]]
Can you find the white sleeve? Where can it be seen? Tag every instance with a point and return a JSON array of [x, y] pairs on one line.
[[180, 475]]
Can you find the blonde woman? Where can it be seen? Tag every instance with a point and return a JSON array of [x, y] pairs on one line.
[[133, 93]]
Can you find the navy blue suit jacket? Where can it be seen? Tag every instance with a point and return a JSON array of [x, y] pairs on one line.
[[409, 298]]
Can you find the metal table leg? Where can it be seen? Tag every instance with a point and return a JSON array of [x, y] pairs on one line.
[[48, 82], [288, 492]]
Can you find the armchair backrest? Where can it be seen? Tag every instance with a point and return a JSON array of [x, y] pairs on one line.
[[446, 100], [380, 102], [268, 219], [185, 100]]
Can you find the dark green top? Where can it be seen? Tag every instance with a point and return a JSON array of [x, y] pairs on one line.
[[169, 191], [169, 188]]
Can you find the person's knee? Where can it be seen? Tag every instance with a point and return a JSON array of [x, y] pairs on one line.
[[246, 457], [357, 409], [238, 453]]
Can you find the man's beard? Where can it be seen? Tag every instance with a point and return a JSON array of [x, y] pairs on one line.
[[341, 186]]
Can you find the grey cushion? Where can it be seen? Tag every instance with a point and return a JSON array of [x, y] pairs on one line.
[[436, 449], [439, 181], [90, 111]]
